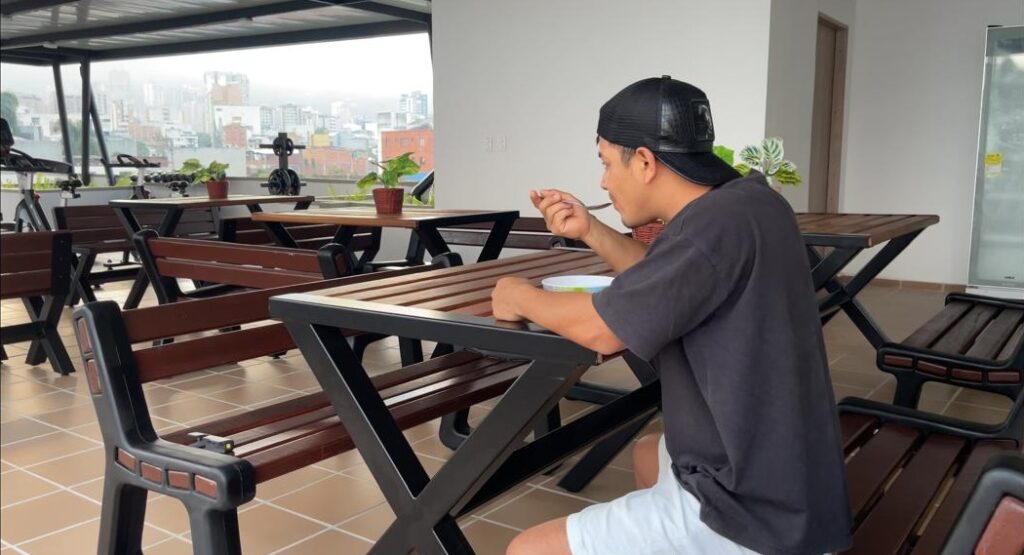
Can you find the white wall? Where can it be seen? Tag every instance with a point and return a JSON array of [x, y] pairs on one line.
[[536, 72], [912, 122]]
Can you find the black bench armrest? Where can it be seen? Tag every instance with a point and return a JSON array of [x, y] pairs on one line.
[[1003, 478], [1012, 428]]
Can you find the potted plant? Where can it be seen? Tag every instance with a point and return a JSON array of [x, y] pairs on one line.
[[388, 199], [212, 176], [768, 159]]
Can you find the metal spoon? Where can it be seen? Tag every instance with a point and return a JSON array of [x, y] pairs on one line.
[[588, 208]]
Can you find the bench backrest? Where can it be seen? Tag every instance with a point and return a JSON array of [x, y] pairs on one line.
[[35, 263], [165, 260], [249, 309], [100, 224], [526, 233], [245, 231]]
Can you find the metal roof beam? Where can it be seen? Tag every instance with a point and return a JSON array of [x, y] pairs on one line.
[[166, 24], [302, 36], [383, 9], [17, 6]]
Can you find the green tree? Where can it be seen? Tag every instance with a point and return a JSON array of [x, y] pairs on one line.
[[9, 109]]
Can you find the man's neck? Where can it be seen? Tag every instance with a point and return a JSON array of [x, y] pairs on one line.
[[679, 197]]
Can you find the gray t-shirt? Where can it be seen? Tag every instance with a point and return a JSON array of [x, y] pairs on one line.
[[724, 307]]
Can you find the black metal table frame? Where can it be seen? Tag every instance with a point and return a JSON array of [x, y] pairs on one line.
[[427, 238], [172, 215], [494, 458]]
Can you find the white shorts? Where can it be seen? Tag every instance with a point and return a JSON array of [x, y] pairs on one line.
[[662, 520]]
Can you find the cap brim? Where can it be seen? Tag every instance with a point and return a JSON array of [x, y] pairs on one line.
[[704, 168]]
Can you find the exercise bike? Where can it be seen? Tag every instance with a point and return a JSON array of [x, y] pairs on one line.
[[29, 214], [283, 180]]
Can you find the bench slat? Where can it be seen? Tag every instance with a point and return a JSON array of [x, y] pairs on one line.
[[21, 243], [892, 521], [960, 337], [854, 427], [215, 251], [934, 535], [25, 284], [230, 274], [181, 357], [1012, 344], [937, 325], [25, 262], [871, 466], [994, 337], [97, 235]]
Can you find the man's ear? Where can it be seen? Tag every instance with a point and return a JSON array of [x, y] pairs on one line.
[[646, 163]]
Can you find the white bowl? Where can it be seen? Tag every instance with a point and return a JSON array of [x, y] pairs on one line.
[[576, 284]]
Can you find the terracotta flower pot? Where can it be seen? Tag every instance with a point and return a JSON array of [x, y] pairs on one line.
[[217, 189], [388, 200], [646, 234]]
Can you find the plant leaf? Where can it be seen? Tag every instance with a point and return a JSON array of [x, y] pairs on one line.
[[725, 153], [743, 169], [751, 156]]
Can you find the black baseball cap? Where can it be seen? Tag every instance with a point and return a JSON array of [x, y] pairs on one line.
[[673, 119]]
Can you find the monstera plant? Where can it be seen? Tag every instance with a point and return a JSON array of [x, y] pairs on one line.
[[768, 158]]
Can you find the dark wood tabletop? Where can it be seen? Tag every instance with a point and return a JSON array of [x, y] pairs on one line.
[[207, 202], [467, 289], [368, 217], [859, 230]]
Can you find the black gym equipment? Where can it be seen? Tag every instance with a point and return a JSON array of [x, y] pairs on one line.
[[140, 178], [283, 180], [29, 214]]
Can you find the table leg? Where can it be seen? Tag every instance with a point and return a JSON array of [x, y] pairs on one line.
[[425, 507], [431, 239], [496, 239], [275, 229]]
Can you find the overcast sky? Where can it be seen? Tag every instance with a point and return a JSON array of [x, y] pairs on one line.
[[385, 66]]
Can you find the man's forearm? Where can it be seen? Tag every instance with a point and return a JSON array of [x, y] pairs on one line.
[[571, 315], [618, 250]]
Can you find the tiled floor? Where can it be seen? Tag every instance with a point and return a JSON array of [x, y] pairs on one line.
[[51, 479]]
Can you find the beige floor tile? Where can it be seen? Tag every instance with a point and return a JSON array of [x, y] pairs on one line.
[[250, 394], [291, 482], [858, 379], [536, 507], [166, 513], [73, 469], [31, 519], [610, 483], [207, 385], [333, 500], [42, 449], [488, 538], [371, 524], [843, 391], [16, 486], [172, 546], [430, 465], [22, 429], [265, 529], [338, 463], [196, 409], [48, 403], [330, 541], [81, 538], [298, 381], [984, 399], [70, 417], [262, 371], [975, 413], [93, 490], [160, 395], [24, 389]]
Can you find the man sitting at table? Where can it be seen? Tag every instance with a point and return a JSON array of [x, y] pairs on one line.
[[723, 305]]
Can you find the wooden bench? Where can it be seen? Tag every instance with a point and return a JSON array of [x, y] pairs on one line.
[[36, 267], [307, 236], [526, 233], [910, 473], [96, 230], [226, 267], [211, 476], [975, 342]]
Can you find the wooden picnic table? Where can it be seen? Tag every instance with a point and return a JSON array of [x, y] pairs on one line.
[[175, 207], [452, 307], [834, 240], [424, 223]]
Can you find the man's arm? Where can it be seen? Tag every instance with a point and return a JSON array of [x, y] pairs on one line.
[[571, 315], [618, 250]]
